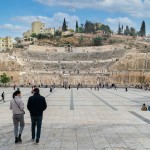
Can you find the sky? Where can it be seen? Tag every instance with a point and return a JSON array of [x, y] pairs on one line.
[[17, 15]]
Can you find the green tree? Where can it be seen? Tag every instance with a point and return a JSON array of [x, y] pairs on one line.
[[33, 35], [81, 28], [96, 25], [106, 29], [143, 29], [43, 36], [122, 29], [58, 33], [77, 27], [132, 31], [127, 31], [64, 26], [18, 40], [4, 78], [89, 27], [97, 41], [119, 30]]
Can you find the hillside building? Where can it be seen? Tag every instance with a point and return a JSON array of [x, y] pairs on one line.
[[38, 27], [6, 43]]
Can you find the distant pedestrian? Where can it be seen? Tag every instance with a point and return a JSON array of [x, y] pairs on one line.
[[126, 89], [36, 105], [51, 89], [17, 107], [3, 97], [14, 86], [144, 108]]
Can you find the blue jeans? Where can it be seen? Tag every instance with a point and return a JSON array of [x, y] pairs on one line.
[[36, 121]]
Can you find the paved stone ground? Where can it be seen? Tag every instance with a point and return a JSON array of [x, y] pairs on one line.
[[83, 119]]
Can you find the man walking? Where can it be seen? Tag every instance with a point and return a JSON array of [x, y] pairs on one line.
[[36, 105], [3, 97]]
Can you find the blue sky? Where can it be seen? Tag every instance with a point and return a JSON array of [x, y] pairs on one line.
[[16, 15]]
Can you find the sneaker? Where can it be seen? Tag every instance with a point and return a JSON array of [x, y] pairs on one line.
[[37, 141]]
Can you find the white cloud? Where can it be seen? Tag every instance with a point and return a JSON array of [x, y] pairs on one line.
[[56, 21], [121, 20], [13, 27], [114, 22], [136, 8]]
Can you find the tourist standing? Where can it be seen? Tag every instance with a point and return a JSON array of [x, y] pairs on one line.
[[51, 89], [36, 105], [17, 107]]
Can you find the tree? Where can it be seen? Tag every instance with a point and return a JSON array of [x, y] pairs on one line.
[[132, 31], [43, 36], [122, 29], [89, 27], [77, 27], [105, 28], [33, 35], [58, 33], [81, 28], [97, 41], [143, 29], [119, 30], [64, 26], [127, 31], [4, 78], [97, 26], [18, 40]]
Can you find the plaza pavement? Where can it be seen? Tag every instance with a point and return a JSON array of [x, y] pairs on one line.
[[83, 119]]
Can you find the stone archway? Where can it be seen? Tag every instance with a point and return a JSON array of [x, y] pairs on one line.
[[69, 48]]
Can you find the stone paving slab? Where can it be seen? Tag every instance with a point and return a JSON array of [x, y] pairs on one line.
[[83, 119]]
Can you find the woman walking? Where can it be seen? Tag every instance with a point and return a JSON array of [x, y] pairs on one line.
[[17, 107]]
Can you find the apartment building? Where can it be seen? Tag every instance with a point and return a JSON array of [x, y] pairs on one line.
[[6, 43]]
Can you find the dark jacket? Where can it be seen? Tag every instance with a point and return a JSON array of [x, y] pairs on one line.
[[36, 105]]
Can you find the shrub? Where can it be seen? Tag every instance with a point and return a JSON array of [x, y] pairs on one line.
[[97, 41]]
